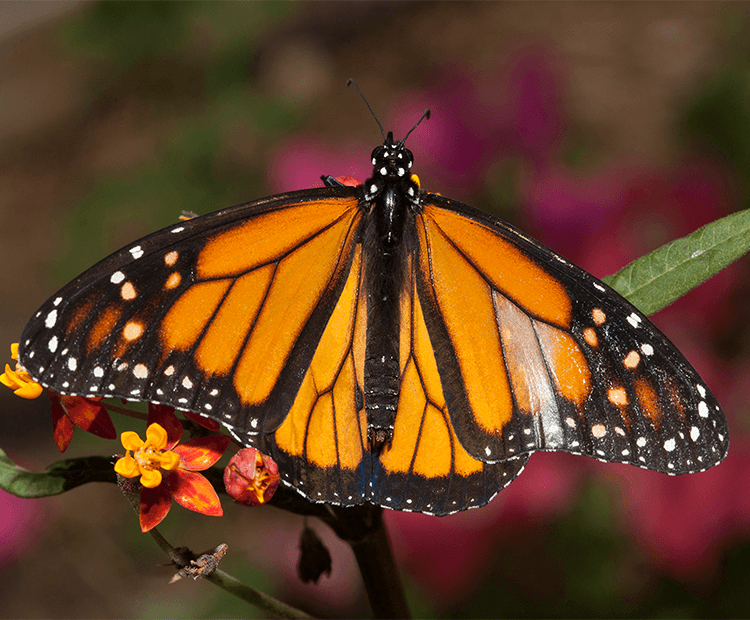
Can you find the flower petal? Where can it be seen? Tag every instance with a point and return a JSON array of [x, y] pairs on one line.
[[127, 467], [156, 437], [164, 416], [211, 425], [29, 390], [61, 425], [199, 454], [168, 460], [21, 383], [131, 441], [88, 414], [150, 478], [194, 492], [155, 504]]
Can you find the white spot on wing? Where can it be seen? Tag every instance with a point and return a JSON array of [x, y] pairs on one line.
[[670, 445], [634, 320], [72, 363], [51, 345], [117, 277], [51, 319], [703, 409], [695, 433], [136, 251]]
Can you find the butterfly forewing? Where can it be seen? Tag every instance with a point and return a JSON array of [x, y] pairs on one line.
[[542, 356], [183, 316]]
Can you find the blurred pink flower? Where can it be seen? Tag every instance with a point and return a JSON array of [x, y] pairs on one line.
[[682, 523], [422, 542], [20, 520], [299, 163]]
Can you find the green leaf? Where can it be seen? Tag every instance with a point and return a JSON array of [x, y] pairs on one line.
[[59, 477], [656, 280]]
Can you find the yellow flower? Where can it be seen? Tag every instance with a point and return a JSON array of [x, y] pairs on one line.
[[19, 380], [149, 457]]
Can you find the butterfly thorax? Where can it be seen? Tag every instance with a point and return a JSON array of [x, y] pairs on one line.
[[390, 200]]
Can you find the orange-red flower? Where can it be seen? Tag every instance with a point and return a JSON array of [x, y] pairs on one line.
[[86, 413], [251, 478], [19, 380], [169, 471]]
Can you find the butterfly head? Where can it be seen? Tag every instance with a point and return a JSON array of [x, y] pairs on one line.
[[392, 160]]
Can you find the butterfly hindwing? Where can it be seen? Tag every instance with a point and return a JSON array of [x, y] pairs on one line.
[[426, 468], [542, 356]]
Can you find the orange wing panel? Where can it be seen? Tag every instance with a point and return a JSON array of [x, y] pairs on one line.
[[299, 281], [261, 241], [510, 270], [224, 338], [188, 316], [466, 304], [323, 423]]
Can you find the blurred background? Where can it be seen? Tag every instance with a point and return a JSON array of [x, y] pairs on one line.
[[603, 129]]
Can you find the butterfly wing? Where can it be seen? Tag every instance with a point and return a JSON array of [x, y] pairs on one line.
[[426, 468], [536, 354], [220, 315]]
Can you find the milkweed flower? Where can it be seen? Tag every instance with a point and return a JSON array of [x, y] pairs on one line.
[[168, 471], [251, 478], [19, 380]]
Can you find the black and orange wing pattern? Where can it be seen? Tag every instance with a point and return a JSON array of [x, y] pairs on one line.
[[219, 315], [539, 355], [382, 344]]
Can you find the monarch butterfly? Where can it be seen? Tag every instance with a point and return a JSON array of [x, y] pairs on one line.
[[383, 344]]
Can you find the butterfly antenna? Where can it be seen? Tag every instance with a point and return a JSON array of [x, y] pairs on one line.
[[350, 82], [424, 116]]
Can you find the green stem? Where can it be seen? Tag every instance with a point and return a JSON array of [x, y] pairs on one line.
[[218, 577]]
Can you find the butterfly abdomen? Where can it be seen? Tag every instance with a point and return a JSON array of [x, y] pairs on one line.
[[386, 240]]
